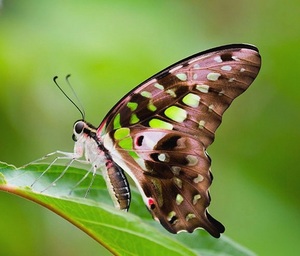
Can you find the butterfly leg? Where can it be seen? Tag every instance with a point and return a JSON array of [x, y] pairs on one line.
[[58, 178], [82, 179], [94, 171], [64, 156]]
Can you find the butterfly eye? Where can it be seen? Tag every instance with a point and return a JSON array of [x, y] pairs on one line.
[[78, 129]]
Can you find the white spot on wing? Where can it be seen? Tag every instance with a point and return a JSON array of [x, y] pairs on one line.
[[171, 215], [201, 124], [196, 198], [198, 179], [235, 58], [190, 216], [178, 182], [163, 157], [213, 76], [176, 170], [171, 93], [159, 86], [218, 59], [226, 68], [196, 66], [193, 160], [181, 76], [211, 107], [202, 88]]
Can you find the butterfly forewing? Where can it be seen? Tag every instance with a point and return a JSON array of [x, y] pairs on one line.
[[191, 94], [158, 133]]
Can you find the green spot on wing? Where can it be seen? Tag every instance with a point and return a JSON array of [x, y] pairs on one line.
[[133, 154], [191, 100], [132, 105], [126, 143], [151, 107], [117, 122], [179, 199], [121, 133], [134, 119], [175, 113], [123, 137], [159, 124]]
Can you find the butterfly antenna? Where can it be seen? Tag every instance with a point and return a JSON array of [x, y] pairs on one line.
[[80, 108]]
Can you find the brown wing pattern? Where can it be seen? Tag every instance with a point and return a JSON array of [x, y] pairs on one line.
[[158, 133], [201, 87], [174, 177]]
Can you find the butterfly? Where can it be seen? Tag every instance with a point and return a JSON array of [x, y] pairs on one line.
[[159, 133]]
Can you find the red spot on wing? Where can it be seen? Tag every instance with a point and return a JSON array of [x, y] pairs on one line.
[[151, 203]]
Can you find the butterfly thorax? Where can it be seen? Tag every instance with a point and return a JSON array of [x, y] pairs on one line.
[[88, 144]]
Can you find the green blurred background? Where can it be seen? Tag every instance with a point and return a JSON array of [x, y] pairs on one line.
[[110, 47]]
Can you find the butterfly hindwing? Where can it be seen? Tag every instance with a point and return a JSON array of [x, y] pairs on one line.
[[173, 173]]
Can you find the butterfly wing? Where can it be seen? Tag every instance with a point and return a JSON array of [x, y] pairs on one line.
[[158, 133]]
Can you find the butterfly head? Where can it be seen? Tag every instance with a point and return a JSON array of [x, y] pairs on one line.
[[82, 128]]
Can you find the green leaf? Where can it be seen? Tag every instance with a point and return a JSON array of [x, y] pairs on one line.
[[122, 233]]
